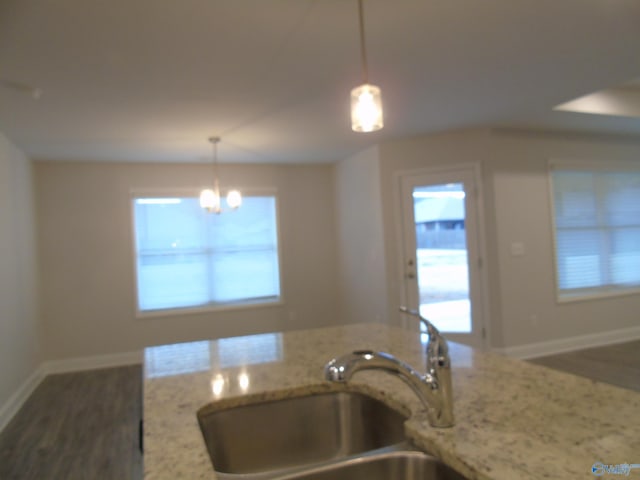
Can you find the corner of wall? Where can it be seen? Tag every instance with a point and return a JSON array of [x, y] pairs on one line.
[[10, 407], [21, 355], [360, 238]]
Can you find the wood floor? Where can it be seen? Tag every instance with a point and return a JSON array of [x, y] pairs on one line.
[[84, 426], [77, 426], [615, 364]]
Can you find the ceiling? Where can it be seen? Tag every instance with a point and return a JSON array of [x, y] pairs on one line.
[[150, 81]]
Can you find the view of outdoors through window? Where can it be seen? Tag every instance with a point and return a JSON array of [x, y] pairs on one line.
[[186, 257], [442, 267]]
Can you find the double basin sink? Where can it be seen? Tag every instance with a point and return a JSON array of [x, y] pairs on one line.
[[329, 436]]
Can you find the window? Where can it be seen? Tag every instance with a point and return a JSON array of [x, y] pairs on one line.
[[188, 258], [597, 230]]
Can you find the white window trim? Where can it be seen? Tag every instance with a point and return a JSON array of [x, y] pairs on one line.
[[586, 294], [194, 192]]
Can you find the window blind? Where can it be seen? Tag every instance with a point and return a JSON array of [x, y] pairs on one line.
[[597, 229], [187, 257]]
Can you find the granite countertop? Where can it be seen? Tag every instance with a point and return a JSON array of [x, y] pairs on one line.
[[514, 420]]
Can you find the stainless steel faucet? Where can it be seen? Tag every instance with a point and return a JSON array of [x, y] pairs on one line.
[[433, 388]]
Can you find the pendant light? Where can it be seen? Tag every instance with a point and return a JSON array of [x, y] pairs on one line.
[[366, 100], [210, 199]]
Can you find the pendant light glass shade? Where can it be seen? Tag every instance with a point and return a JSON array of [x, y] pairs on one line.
[[366, 109]]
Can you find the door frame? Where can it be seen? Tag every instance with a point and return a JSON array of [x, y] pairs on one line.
[[483, 289]]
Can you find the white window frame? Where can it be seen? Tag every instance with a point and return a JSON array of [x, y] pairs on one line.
[[586, 166], [194, 193]]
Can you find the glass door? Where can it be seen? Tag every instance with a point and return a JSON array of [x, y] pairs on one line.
[[442, 263]]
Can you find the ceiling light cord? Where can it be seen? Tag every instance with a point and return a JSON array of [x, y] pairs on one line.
[[214, 145], [363, 48]]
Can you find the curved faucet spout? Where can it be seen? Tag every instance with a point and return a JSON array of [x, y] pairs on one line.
[[426, 386], [437, 347], [342, 369]]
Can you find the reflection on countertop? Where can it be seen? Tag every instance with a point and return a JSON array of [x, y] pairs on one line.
[[513, 419], [182, 358]]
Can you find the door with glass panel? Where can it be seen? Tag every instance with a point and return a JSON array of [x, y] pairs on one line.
[[441, 252]]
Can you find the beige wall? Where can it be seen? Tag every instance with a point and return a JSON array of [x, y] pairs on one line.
[[517, 170], [429, 151], [362, 280], [340, 244], [20, 353], [339, 238], [88, 294], [522, 307]]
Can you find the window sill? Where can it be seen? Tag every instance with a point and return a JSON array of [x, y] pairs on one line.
[[174, 312], [596, 295]]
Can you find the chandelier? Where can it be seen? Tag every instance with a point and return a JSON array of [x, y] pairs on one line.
[[210, 199]]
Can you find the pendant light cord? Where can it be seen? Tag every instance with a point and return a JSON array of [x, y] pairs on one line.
[[363, 49]]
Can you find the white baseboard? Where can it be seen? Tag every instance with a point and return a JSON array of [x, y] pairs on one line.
[[563, 345], [15, 402], [78, 364]]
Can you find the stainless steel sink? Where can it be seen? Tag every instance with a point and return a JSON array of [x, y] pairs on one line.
[[401, 465], [271, 438]]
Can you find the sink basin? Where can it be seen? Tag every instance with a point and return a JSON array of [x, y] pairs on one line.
[[407, 465], [302, 431]]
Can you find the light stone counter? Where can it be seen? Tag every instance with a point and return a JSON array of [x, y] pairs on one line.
[[514, 420]]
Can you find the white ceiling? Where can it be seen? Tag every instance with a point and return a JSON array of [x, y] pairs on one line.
[[142, 80]]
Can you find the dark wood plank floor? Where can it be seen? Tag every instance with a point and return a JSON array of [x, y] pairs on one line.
[[77, 426], [84, 426], [615, 364]]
